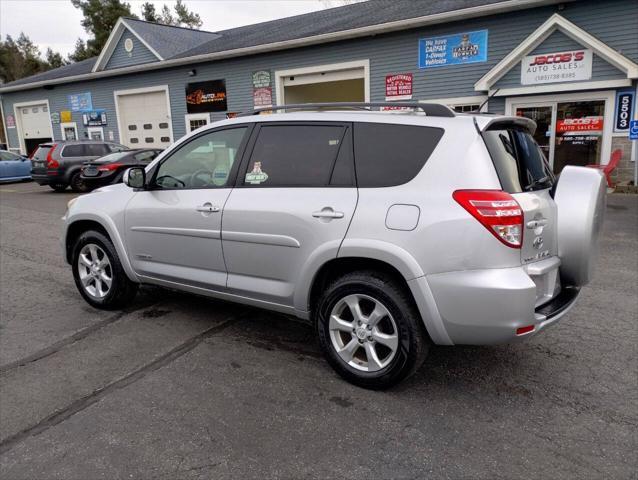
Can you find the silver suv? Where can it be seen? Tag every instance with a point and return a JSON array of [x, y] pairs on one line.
[[389, 232]]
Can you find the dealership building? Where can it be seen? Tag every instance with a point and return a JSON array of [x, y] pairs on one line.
[[572, 66]]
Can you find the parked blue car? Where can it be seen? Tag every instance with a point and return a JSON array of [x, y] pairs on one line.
[[13, 167]]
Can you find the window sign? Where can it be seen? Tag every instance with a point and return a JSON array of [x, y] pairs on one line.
[[80, 102], [556, 67], [95, 118], [624, 110], [262, 89], [65, 116], [55, 118], [398, 87], [10, 121], [457, 49], [207, 96]]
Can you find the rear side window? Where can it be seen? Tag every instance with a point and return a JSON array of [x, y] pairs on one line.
[[296, 156], [97, 149], [519, 161], [386, 155], [41, 153], [77, 150]]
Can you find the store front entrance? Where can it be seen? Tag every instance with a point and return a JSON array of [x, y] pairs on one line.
[[569, 132]]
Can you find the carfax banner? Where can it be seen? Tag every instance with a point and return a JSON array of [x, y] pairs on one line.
[[457, 49]]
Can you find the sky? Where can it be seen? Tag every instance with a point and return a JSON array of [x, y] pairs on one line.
[[56, 23]]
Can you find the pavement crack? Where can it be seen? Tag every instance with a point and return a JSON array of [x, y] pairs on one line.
[[132, 377], [57, 346]]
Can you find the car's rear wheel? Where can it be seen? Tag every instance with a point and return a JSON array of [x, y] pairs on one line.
[[77, 184], [370, 331], [58, 187], [98, 272]]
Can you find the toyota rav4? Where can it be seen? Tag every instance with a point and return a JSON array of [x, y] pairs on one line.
[[388, 231]]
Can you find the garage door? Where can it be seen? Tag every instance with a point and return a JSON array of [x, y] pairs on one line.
[[35, 125], [144, 120], [344, 85]]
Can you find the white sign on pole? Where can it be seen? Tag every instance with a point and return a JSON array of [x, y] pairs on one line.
[[556, 67]]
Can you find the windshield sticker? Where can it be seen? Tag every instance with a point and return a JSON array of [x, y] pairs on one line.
[[220, 175], [257, 176]]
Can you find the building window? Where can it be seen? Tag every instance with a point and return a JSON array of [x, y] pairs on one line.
[[134, 140], [149, 139], [466, 108], [163, 125], [147, 126], [165, 139], [132, 127], [195, 124]]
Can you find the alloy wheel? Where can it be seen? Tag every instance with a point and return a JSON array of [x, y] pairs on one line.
[[96, 273], [363, 332]]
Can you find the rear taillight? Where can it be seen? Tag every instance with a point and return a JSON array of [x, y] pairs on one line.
[[497, 211], [52, 162], [110, 167]]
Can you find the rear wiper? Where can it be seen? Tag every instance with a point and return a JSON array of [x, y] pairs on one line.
[[538, 182]]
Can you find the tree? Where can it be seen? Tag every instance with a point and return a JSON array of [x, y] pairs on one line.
[[182, 17], [21, 58], [54, 59], [100, 17], [80, 53]]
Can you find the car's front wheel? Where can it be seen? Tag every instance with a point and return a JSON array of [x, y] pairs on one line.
[[370, 331], [98, 272]]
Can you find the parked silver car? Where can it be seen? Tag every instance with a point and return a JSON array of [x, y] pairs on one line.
[[389, 232]]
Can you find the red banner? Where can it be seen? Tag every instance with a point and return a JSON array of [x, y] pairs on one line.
[[586, 124]]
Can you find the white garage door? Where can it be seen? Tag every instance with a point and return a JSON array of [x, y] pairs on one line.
[[35, 121], [144, 120]]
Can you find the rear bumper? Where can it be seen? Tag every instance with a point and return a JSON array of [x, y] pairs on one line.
[[486, 307], [48, 177]]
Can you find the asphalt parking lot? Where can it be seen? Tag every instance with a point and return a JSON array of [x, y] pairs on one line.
[[179, 386]]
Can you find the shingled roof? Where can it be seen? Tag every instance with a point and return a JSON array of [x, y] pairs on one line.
[[175, 43]]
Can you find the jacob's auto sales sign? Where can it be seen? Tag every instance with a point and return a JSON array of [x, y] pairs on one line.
[[584, 124], [555, 67]]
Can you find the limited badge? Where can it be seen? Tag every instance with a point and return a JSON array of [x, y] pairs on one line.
[[256, 176]]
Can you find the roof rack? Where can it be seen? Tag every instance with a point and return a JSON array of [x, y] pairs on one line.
[[430, 109]]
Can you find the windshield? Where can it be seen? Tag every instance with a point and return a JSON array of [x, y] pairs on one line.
[[519, 161]]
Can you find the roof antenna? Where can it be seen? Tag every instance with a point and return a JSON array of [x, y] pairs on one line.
[[487, 100]]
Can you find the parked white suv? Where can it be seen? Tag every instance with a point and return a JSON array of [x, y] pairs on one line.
[[387, 231]]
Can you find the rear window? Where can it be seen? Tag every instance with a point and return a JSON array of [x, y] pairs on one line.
[[519, 161], [387, 155], [41, 153], [113, 157]]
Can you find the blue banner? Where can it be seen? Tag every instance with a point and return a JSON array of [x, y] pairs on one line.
[[80, 102], [458, 49]]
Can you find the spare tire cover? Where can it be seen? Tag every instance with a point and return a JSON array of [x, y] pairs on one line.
[[580, 196]]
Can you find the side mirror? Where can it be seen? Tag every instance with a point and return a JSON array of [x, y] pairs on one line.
[[135, 177]]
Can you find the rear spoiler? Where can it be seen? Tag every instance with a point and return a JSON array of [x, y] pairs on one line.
[[501, 123]]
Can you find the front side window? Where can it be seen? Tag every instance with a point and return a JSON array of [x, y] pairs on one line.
[[204, 162], [294, 155], [10, 157]]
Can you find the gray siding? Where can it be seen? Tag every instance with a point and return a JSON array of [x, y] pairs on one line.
[[612, 21], [139, 55], [559, 42]]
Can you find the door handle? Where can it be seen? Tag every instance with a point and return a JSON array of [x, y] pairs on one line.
[[327, 212], [537, 223], [207, 208]]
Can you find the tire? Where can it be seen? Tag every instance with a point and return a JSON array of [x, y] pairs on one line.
[[372, 292], [77, 184], [120, 292], [58, 187]]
